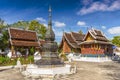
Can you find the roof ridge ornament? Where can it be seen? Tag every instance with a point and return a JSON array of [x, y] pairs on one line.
[[94, 30]]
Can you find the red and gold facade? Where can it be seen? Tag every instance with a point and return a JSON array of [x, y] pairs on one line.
[[96, 43]]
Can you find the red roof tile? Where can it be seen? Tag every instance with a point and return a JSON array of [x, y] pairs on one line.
[[69, 37], [23, 38], [22, 34], [72, 39], [77, 36], [24, 43]]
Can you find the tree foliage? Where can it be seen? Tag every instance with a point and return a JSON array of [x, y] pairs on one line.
[[116, 40], [3, 35], [2, 25], [80, 31], [39, 28], [21, 24], [4, 40], [25, 25], [31, 25]]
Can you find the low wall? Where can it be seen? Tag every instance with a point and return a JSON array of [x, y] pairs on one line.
[[92, 59]]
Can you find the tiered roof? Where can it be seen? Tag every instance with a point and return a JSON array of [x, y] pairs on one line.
[[23, 38], [72, 39], [77, 37], [98, 37]]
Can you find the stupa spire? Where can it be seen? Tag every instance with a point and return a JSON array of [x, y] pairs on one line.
[[50, 36], [50, 18]]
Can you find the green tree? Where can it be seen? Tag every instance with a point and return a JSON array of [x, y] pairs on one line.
[[26, 25], [4, 40], [3, 35], [32, 25], [2, 25], [116, 40], [39, 28], [21, 24], [80, 31]]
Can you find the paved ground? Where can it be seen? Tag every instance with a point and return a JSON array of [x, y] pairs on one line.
[[95, 71], [85, 71], [10, 74]]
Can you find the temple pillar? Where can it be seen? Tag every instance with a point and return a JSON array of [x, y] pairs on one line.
[[13, 51]]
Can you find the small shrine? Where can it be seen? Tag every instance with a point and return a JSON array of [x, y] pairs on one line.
[[22, 38]]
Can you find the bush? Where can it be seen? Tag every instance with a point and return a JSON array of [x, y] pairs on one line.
[[63, 56], [32, 50], [28, 60], [6, 61], [31, 59], [1, 59]]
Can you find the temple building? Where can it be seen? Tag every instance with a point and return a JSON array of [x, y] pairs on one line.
[[95, 43], [21, 38], [70, 41]]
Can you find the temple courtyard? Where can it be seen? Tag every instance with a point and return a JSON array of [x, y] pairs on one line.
[[85, 71]]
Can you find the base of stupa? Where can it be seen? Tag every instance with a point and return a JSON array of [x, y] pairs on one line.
[[49, 62], [33, 71]]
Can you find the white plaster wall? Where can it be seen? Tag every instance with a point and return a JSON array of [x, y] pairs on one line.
[[57, 70]]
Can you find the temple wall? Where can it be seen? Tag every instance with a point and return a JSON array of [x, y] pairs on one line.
[[66, 48], [108, 50], [92, 51], [97, 49]]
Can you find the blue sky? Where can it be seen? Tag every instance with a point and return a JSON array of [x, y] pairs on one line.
[[67, 15]]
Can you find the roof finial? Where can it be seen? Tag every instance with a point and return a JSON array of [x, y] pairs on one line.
[[50, 18]]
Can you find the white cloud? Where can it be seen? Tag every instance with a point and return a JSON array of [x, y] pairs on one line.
[[40, 19], [81, 23], [59, 24], [107, 1], [103, 27], [114, 30], [58, 33], [99, 6], [87, 2]]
